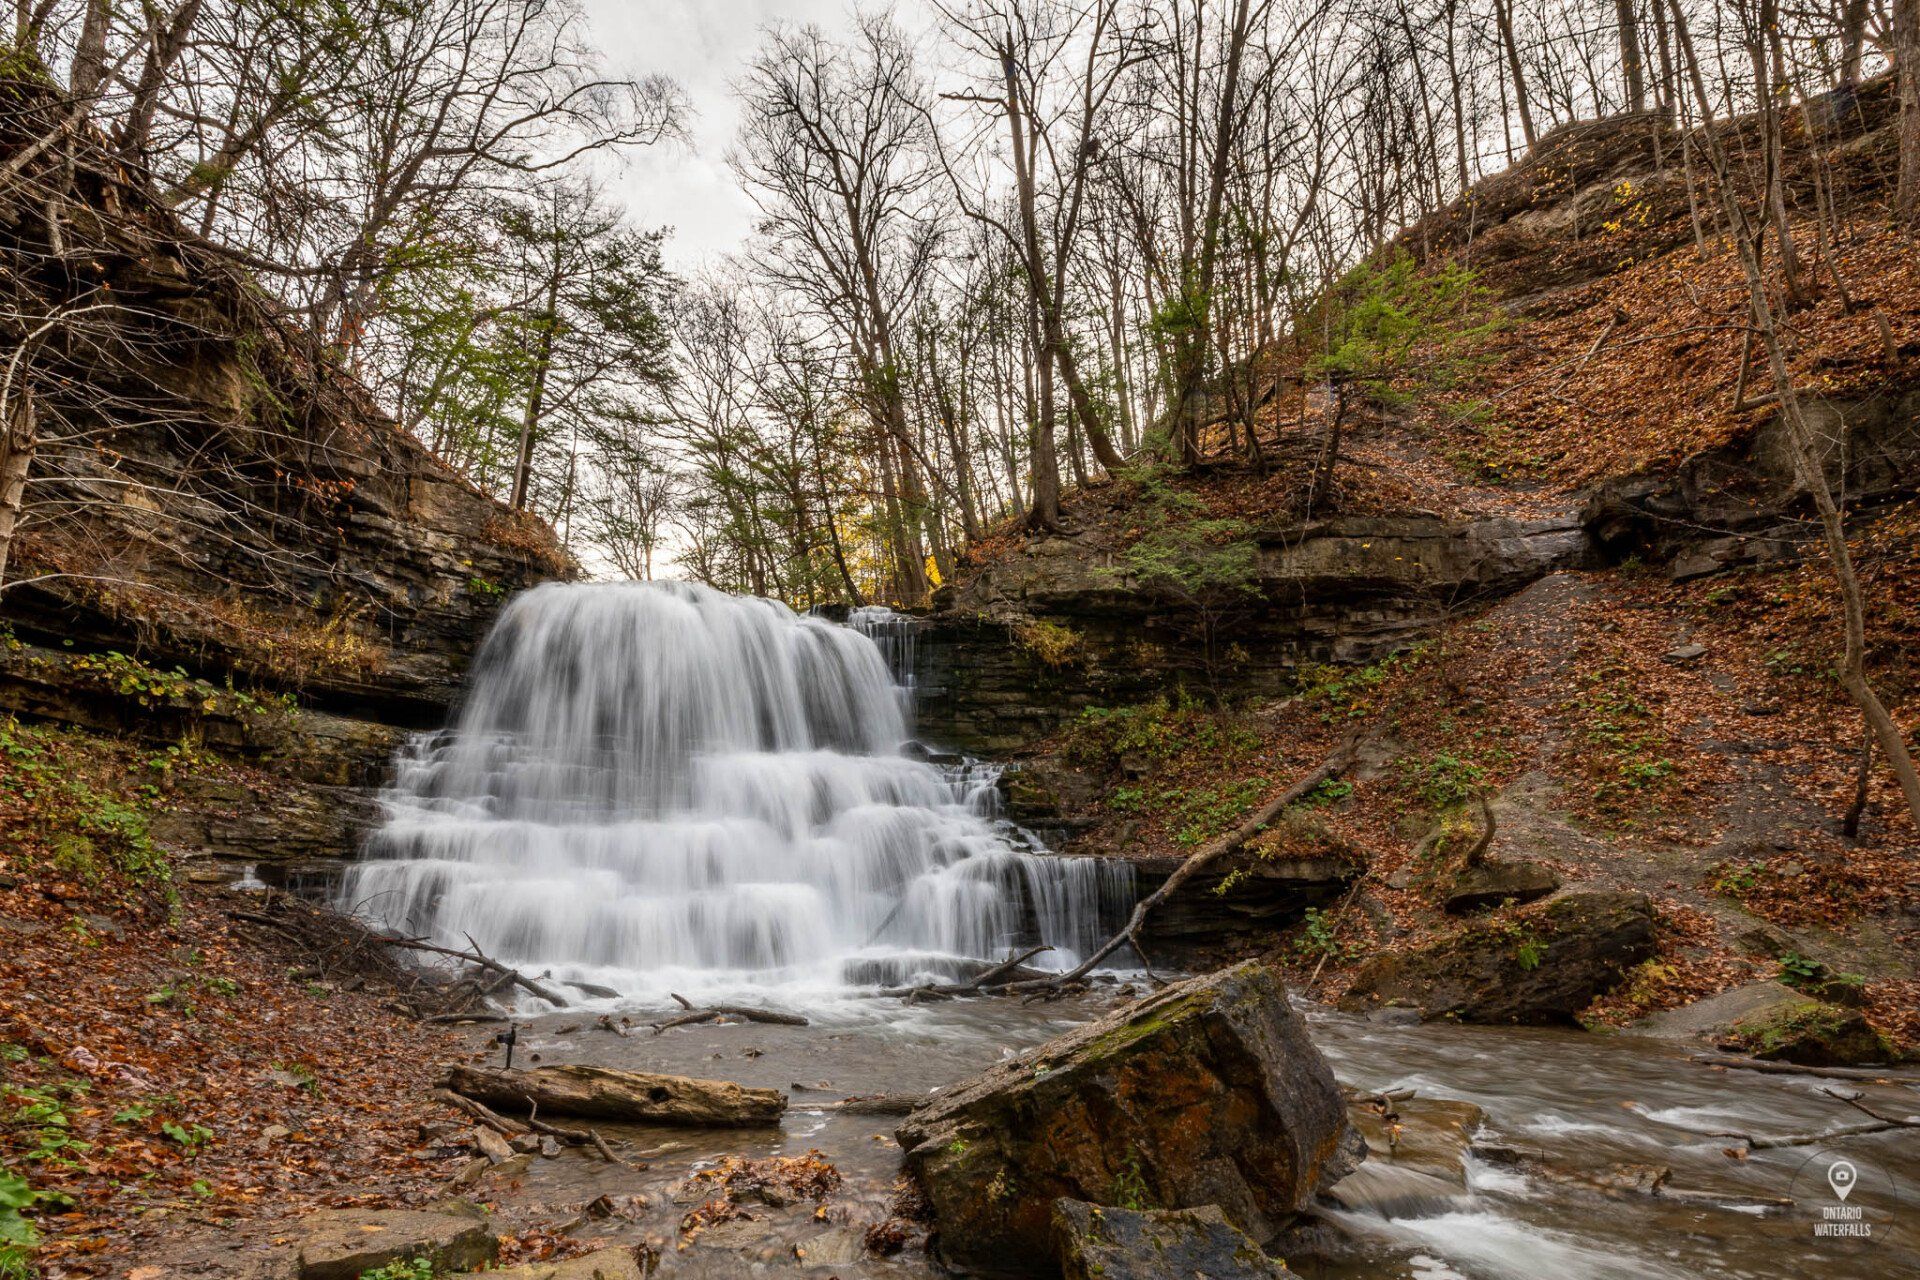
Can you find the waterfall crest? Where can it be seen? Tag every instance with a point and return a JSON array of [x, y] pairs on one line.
[[659, 787]]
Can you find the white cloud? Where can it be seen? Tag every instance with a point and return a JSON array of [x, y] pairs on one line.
[[705, 45]]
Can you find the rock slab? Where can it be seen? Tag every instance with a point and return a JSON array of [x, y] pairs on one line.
[[1491, 883], [1207, 1093], [339, 1244], [1102, 1243], [1539, 966]]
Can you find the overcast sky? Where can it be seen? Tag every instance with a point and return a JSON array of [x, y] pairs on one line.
[[705, 45]]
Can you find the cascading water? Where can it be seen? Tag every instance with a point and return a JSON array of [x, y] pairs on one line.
[[660, 787]]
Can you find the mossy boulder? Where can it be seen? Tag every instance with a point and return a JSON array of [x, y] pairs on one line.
[[1813, 1033], [1207, 1093], [1539, 965], [1097, 1242]]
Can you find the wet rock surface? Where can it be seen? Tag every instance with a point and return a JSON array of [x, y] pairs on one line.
[[1104, 1243], [1207, 1093], [1538, 965]]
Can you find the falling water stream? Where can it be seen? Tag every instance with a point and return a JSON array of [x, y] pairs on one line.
[[657, 787]]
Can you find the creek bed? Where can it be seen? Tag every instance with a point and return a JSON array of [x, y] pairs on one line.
[[1584, 1105]]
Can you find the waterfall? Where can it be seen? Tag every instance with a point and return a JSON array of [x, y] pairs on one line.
[[660, 787]]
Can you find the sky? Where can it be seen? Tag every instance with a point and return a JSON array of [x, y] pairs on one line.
[[705, 45]]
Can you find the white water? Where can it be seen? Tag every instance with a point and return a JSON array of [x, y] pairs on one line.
[[659, 787]]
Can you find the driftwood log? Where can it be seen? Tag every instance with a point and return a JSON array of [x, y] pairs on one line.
[[604, 1093]]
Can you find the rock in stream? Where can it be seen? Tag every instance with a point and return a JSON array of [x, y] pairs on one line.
[[1207, 1093]]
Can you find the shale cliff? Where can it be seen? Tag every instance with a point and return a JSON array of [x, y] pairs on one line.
[[225, 544]]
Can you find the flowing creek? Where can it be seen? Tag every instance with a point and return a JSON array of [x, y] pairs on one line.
[[662, 789]]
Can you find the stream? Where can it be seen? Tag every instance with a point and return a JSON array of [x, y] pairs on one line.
[[658, 789], [1585, 1104]]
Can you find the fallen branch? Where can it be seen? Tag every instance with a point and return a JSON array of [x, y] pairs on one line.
[[1853, 1100], [506, 973], [878, 1104], [1329, 768], [979, 984], [1618, 318], [1805, 1139], [693, 1015], [1733, 1063], [482, 1113]]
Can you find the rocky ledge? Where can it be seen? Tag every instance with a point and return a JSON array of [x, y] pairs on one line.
[[1039, 635]]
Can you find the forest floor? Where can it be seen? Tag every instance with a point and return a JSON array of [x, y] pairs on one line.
[[180, 1060]]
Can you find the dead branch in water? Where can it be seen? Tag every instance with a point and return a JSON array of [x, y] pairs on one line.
[[506, 974], [979, 984], [1734, 1063], [1335, 764], [708, 1014]]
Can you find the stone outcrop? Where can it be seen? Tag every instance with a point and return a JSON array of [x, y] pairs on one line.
[[220, 494], [216, 504], [1540, 965], [1098, 1242], [1245, 898], [341, 1244], [1495, 881], [1743, 505], [1812, 1033], [1346, 589], [1207, 1093]]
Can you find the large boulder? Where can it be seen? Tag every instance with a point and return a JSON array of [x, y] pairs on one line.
[[1812, 1033], [1100, 1243], [1207, 1093], [1540, 965]]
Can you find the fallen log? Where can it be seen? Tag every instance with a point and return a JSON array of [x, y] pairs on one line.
[[708, 1014], [605, 1093]]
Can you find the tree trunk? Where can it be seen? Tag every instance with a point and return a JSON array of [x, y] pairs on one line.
[[1632, 61], [536, 396], [1503, 15], [18, 439], [1906, 46]]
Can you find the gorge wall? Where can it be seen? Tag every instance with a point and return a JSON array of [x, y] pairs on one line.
[[225, 546]]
